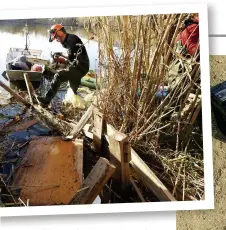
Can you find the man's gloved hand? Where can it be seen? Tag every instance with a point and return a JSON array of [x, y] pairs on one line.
[[60, 60]]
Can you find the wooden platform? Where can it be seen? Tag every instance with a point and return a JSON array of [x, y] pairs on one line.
[[51, 171]]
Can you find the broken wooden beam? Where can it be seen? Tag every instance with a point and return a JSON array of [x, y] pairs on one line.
[[16, 95], [149, 178], [77, 128], [94, 182]]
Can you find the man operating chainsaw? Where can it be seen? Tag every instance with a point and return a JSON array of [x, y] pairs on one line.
[[77, 62]]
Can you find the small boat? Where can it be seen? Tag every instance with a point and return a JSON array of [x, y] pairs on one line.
[[16, 76], [20, 61], [90, 82], [31, 57]]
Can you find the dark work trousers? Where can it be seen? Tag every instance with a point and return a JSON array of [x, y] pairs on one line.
[[73, 75]]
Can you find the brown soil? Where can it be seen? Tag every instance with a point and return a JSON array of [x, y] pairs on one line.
[[212, 219]]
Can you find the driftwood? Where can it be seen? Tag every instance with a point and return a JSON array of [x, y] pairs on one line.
[[63, 127], [94, 182], [68, 130]]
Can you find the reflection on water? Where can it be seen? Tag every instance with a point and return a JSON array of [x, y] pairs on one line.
[[11, 35]]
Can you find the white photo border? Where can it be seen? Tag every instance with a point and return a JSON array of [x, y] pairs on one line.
[[208, 203]]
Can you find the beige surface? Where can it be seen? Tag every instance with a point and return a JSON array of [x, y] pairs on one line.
[[212, 219], [49, 173]]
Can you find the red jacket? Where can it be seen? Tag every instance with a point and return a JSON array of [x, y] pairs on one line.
[[190, 38]]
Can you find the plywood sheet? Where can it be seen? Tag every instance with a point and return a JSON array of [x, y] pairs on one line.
[[51, 171]]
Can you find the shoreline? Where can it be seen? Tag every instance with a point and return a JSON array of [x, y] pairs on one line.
[[75, 22]]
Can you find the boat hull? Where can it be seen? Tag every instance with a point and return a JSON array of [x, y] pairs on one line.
[[90, 82]]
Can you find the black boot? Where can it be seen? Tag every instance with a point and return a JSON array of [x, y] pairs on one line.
[[55, 85], [44, 102]]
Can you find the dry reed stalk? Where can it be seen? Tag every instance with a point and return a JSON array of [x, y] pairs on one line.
[[133, 72]]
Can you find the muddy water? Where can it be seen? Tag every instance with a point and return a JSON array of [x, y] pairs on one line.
[[11, 35]]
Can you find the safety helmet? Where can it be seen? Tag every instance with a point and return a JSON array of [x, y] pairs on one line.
[[56, 30]]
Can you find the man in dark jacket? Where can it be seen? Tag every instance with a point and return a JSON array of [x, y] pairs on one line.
[[77, 62]]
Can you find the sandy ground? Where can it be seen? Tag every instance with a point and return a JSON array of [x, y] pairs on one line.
[[212, 219]]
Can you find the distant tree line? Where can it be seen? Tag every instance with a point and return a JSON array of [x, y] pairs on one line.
[[74, 22]]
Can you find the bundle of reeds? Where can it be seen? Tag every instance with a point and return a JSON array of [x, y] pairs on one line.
[[152, 93]]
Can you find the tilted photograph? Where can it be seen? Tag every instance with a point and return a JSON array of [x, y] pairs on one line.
[[101, 110]]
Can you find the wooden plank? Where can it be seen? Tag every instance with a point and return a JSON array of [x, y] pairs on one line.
[[78, 145], [28, 82], [94, 182], [114, 156], [145, 174], [137, 189], [16, 95], [82, 122], [26, 78], [98, 123], [149, 178], [47, 174]]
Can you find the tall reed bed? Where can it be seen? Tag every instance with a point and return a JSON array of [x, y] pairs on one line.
[[137, 60]]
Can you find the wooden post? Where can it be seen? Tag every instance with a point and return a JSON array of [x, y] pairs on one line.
[[145, 174], [94, 182], [120, 155], [16, 95], [148, 177], [98, 121]]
